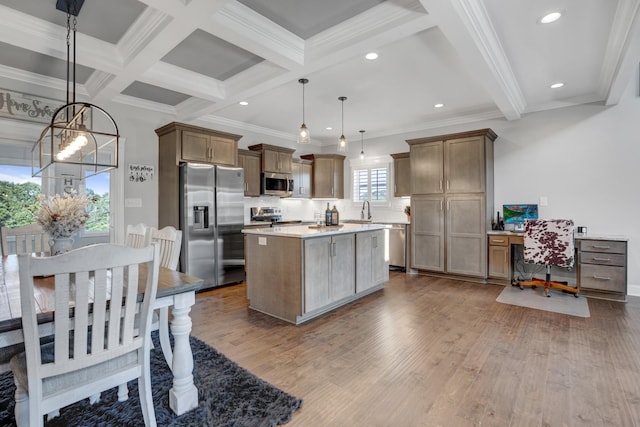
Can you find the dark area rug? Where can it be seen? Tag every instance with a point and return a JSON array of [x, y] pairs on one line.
[[228, 394]]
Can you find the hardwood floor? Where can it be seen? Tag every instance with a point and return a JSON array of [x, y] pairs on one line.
[[436, 352]]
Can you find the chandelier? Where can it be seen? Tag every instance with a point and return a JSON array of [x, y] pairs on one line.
[[81, 136]]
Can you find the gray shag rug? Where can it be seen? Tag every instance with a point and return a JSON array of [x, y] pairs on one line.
[[228, 394]]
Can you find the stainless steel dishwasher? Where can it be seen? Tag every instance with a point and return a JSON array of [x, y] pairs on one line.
[[397, 246]]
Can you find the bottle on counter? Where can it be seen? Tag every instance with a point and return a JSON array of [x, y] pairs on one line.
[[327, 216], [335, 216]]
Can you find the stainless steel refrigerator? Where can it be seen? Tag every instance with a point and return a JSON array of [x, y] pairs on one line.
[[212, 217]]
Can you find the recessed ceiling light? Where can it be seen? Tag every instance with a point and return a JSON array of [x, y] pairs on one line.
[[550, 17], [439, 105], [328, 128], [556, 85], [243, 103], [371, 56]]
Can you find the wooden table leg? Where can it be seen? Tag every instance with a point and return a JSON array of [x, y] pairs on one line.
[[183, 396]]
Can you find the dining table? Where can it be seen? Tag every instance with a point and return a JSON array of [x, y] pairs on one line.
[[176, 291]]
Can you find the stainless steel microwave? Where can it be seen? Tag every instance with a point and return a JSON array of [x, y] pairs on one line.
[[276, 184]]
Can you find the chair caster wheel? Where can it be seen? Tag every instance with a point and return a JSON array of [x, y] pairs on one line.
[[533, 287], [576, 295], [521, 287]]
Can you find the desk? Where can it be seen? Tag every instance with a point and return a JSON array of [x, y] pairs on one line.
[[601, 263], [175, 290]]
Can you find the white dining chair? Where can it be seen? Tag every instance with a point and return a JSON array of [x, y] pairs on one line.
[[138, 236], [170, 241], [103, 342], [30, 238]]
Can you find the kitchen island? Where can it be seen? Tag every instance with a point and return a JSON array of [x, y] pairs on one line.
[[296, 273]]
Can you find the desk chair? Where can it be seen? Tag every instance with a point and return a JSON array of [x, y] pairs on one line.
[[549, 242], [102, 342], [138, 236], [30, 238], [170, 241]]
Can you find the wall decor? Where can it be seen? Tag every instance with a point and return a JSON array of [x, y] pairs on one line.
[[24, 106], [140, 173]]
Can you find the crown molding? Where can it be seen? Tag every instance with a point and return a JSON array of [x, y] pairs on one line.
[[148, 24], [178, 79], [144, 104], [221, 121]]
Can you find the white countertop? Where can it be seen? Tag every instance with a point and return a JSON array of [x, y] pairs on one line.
[[304, 231]]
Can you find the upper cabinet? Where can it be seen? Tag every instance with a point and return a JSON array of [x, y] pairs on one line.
[[249, 161], [327, 175], [401, 174], [301, 179], [186, 143], [457, 165], [274, 159]]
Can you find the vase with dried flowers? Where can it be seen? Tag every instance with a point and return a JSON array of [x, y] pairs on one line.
[[61, 216]]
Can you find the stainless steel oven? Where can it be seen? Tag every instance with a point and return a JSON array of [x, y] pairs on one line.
[[276, 184]]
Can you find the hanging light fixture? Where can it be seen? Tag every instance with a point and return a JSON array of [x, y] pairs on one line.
[[82, 138], [342, 141], [362, 145], [303, 133]]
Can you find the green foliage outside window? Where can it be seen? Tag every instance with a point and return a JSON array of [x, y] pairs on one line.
[[19, 203]]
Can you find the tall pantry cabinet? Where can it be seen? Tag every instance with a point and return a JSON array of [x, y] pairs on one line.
[[451, 202]]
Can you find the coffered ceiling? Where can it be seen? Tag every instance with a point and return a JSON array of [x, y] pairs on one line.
[[197, 59]]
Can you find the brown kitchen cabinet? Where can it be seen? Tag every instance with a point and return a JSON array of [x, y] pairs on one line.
[[401, 174], [602, 268], [274, 159], [180, 143], [249, 161], [451, 202], [327, 175], [301, 179]]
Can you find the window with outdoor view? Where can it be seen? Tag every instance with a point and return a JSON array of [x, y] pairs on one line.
[[370, 184], [19, 193]]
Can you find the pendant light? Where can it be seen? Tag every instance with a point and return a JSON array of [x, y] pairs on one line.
[[362, 145], [303, 133], [82, 138], [342, 141]]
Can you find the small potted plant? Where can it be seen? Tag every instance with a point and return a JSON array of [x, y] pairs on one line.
[[407, 211]]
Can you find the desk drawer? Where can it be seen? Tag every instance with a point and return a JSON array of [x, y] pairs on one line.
[[605, 246], [603, 277], [602, 258], [498, 240]]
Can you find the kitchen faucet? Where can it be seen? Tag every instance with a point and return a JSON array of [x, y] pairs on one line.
[[368, 210]]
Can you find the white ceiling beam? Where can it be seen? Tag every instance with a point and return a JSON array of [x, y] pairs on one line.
[[243, 27], [381, 25], [620, 62], [467, 26], [158, 42]]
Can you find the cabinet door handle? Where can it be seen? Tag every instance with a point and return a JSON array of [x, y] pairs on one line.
[[440, 185], [447, 184], [375, 241], [448, 204], [595, 258], [440, 204], [498, 241], [601, 277], [602, 247]]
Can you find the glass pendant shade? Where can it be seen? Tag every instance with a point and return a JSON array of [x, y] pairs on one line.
[[362, 145], [303, 133], [342, 141]]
